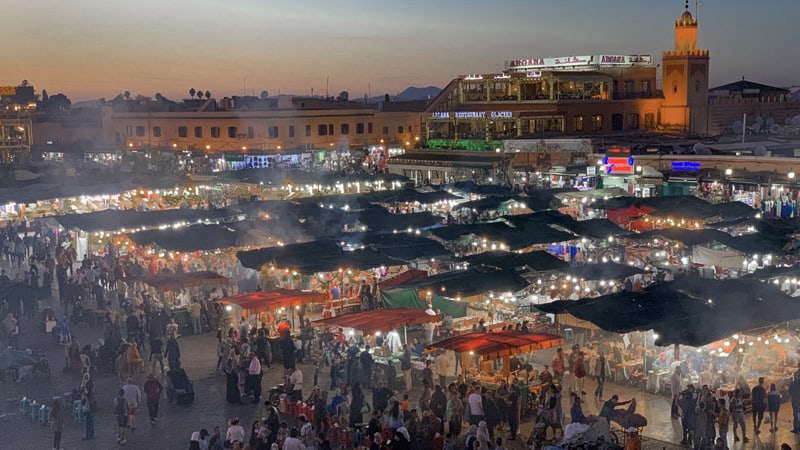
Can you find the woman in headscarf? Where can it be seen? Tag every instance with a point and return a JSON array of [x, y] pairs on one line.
[[471, 437], [232, 394], [194, 441], [402, 439], [483, 436]]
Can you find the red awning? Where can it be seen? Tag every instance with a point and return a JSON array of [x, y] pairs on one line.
[[397, 280], [498, 344], [175, 281], [621, 216], [271, 300], [384, 320]]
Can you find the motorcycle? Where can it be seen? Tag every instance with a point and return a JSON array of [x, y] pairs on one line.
[[276, 392]]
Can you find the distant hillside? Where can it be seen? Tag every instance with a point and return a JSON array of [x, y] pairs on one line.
[[410, 93]]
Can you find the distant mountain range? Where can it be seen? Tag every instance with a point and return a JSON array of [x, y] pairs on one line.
[[410, 93]]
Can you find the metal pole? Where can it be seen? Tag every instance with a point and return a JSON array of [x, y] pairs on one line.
[[744, 127]]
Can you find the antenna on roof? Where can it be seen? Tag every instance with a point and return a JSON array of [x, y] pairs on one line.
[[697, 10]]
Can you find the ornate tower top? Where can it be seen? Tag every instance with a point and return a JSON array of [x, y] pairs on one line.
[[685, 33]]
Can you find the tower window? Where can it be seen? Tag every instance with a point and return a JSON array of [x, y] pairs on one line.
[[697, 86], [675, 87]]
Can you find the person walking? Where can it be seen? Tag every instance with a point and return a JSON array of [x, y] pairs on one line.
[[601, 371], [195, 311], [758, 398], [254, 378], [156, 357], [794, 392], [57, 423], [88, 418], [676, 387], [121, 411], [152, 390], [405, 366], [737, 414], [773, 407], [723, 420], [579, 373], [133, 396]]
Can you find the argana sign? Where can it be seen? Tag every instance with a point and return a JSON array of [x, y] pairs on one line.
[[524, 65]]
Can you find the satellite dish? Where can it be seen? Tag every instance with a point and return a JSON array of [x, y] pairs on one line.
[[756, 127], [770, 121], [775, 128], [796, 120], [760, 151], [700, 149], [737, 127], [759, 120]]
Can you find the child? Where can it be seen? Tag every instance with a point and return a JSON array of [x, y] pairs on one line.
[[283, 433], [449, 442], [404, 406], [499, 442]]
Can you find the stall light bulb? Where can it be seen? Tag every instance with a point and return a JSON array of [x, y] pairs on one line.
[[750, 343], [741, 350], [766, 342], [726, 343]]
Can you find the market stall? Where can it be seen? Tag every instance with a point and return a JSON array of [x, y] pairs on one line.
[[501, 345]]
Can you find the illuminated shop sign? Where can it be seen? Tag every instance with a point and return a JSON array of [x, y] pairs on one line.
[[520, 65], [474, 115], [470, 115], [473, 77], [618, 161], [625, 59], [685, 166], [618, 165]]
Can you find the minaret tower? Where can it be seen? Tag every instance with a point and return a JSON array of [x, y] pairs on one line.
[[684, 74]]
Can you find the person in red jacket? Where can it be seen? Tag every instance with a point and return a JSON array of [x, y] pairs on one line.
[[152, 390]]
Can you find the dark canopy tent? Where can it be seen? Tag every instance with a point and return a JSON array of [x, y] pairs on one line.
[[115, 220], [490, 203], [539, 261], [412, 195], [403, 246], [499, 231], [83, 187], [175, 281], [467, 283], [766, 273], [595, 228], [471, 187], [685, 206], [261, 301], [380, 220], [498, 344], [541, 199], [603, 271], [687, 311], [315, 256], [383, 320], [747, 243]]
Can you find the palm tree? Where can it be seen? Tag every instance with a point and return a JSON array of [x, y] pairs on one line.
[[192, 92], [208, 94]]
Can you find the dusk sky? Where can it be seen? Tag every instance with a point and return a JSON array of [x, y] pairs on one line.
[[89, 49]]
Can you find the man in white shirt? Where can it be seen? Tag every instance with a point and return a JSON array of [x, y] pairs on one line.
[[292, 443], [296, 380], [254, 377], [133, 395], [475, 402]]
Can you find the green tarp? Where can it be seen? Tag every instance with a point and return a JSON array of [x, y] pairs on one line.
[[408, 298]]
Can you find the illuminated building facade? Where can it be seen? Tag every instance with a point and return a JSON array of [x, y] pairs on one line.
[[577, 95], [274, 125]]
